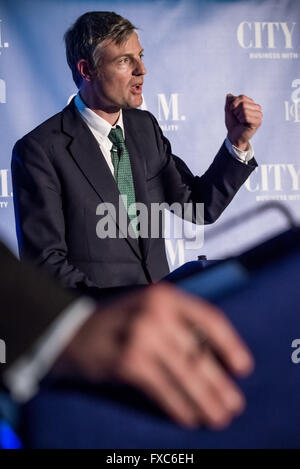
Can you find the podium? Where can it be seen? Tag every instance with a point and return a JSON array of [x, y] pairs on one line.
[[259, 291]]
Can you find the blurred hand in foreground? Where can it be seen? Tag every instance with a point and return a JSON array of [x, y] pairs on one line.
[[171, 346]]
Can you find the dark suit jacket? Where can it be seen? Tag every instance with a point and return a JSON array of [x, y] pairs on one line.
[[60, 176]]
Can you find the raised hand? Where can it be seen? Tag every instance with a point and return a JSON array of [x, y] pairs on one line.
[[242, 118]]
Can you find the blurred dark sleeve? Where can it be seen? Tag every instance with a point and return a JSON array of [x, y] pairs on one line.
[[29, 302]]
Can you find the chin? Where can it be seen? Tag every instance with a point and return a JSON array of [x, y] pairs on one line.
[[133, 103]]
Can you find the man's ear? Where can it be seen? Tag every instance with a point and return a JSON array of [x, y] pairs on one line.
[[84, 69]]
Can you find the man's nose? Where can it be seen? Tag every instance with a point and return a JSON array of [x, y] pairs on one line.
[[140, 68]]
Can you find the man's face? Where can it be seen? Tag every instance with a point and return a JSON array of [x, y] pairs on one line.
[[120, 75]]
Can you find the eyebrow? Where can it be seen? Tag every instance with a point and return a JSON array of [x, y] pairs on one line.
[[127, 55]]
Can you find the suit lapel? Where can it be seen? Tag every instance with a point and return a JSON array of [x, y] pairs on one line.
[[85, 150]]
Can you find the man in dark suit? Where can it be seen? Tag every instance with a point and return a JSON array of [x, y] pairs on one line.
[[100, 147]]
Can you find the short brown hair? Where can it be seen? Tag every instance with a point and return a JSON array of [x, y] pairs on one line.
[[88, 31]]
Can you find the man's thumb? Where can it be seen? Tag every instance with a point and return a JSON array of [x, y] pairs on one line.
[[229, 98]]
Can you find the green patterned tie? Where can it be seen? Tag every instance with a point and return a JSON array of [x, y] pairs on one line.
[[122, 172]]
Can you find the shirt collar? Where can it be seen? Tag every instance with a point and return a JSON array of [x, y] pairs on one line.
[[95, 122]]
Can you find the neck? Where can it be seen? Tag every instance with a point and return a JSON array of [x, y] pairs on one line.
[[109, 113], [110, 117]]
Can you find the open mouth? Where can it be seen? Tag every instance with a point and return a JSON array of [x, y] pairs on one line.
[[137, 88]]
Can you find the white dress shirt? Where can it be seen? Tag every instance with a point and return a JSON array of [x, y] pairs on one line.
[[241, 155], [100, 128]]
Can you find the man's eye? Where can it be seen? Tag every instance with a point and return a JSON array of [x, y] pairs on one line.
[[124, 60]]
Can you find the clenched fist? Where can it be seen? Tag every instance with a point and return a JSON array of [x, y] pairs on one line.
[[242, 118]]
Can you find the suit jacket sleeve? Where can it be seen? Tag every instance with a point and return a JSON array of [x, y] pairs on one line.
[[30, 301], [38, 202], [214, 189]]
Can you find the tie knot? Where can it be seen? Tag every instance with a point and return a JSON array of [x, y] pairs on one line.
[[116, 136]]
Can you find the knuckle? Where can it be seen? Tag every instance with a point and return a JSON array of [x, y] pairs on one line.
[[134, 339], [129, 360], [161, 301], [157, 292], [139, 330]]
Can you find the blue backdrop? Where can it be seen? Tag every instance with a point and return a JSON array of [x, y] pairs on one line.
[[195, 53]]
